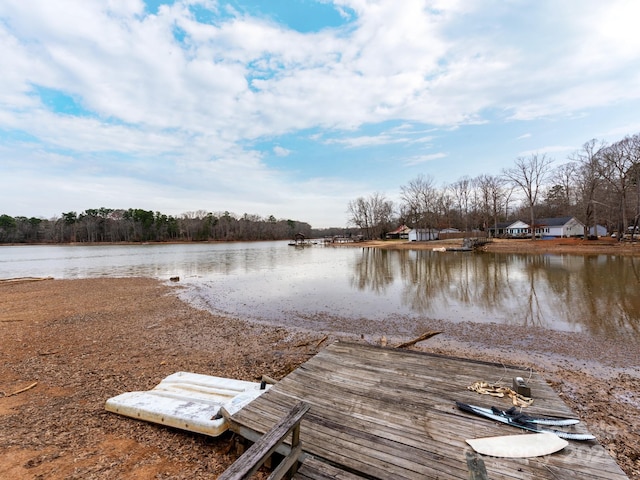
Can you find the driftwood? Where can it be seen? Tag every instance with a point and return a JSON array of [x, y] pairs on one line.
[[308, 342], [23, 279], [22, 390], [424, 336]]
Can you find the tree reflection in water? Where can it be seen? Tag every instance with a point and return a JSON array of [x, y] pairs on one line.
[[591, 293]]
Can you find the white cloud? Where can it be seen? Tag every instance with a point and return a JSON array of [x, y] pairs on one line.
[[281, 151], [621, 131], [417, 160], [189, 112], [609, 33], [366, 140], [550, 149], [397, 62]]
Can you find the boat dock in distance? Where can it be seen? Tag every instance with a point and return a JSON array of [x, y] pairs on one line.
[[301, 241], [387, 413]]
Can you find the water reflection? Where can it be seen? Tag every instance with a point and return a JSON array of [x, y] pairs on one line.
[[373, 270], [596, 294], [273, 282]]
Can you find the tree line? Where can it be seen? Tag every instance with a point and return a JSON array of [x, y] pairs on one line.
[[139, 225], [599, 184]]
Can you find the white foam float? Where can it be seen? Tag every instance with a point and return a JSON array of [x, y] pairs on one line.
[[189, 401]]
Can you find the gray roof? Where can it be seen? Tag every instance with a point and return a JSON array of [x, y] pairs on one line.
[[553, 222], [500, 225]]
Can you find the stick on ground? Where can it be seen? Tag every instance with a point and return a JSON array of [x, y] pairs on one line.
[[22, 390], [422, 337]]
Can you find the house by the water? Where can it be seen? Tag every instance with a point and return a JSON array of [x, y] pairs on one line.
[[558, 227]]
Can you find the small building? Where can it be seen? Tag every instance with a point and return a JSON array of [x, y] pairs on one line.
[[423, 234], [598, 231], [402, 232]]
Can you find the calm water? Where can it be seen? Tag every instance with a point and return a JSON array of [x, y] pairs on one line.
[[273, 282]]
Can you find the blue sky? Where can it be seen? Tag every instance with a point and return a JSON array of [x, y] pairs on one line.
[[293, 108]]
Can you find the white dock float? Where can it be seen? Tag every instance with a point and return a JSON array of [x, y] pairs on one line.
[[189, 401]]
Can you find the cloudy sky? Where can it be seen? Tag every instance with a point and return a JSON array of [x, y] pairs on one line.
[[293, 108]]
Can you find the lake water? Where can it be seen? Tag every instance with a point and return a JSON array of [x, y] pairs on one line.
[[313, 286]]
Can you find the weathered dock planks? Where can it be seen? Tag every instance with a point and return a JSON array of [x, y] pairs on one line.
[[388, 413]]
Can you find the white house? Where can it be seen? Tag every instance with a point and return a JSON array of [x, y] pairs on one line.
[[559, 227], [518, 229], [499, 229], [548, 227]]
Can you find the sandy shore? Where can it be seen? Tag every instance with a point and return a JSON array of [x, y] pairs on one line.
[[84, 341]]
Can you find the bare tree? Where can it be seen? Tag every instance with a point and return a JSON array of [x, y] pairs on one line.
[[461, 191], [564, 176], [634, 176], [444, 204], [508, 195], [373, 214], [492, 197], [587, 181], [420, 199], [529, 174], [359, 214], [616, 167]]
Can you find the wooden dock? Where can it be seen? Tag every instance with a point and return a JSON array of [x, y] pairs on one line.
[[388, 413]]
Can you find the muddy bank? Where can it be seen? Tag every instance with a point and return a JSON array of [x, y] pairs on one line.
[[84, 341]]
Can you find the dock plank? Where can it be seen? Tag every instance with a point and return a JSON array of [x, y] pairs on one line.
[[313, 469], [388, 413]]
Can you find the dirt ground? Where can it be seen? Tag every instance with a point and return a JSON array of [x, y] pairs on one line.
[[76, 343], [85, 341]]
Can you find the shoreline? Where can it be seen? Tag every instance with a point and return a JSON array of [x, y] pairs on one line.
[[86, 340], [600, 246], [573, 246]]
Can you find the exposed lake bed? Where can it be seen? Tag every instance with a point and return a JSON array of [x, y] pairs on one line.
[[86, 340]]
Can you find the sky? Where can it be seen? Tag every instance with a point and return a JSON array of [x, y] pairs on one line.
[[293, 108]]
